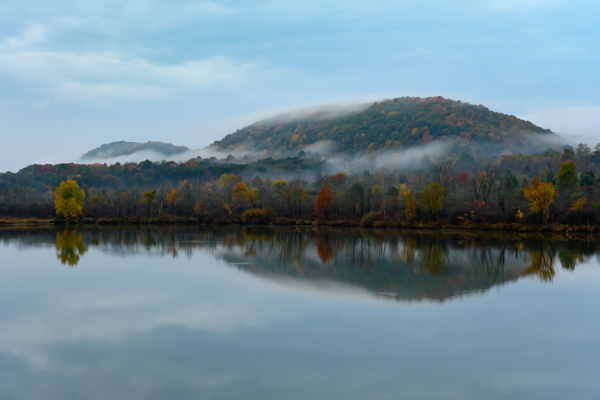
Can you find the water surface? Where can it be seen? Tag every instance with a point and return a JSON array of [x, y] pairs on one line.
[[253, 313]]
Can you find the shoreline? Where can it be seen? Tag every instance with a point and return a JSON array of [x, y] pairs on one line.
[[434, 225]]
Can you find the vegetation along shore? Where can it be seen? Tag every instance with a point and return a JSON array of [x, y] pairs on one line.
[[402, 163]]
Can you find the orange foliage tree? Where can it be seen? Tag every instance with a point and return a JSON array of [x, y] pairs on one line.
[[324, 202]]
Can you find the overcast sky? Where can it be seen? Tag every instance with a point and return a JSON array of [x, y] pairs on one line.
[[77, 74]]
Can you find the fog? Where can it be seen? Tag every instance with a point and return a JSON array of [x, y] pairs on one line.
[[401, 159], [241, 155], [315, 113], [383, 159]]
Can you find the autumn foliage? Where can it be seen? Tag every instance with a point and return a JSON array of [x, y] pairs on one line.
[[540, 196], [68, 200], [324, 204]]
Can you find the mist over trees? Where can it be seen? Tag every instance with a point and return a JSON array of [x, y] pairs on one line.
[[400, 162], [394, 124], [551, 187]]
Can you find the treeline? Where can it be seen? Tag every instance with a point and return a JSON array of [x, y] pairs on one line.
[[553, 187]]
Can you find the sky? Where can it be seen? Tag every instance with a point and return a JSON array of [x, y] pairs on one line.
[[77, 74]]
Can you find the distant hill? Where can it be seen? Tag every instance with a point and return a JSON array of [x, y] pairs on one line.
[[122, 148], [391, 124]]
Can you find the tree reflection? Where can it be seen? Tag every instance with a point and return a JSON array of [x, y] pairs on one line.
[[69, 247], [568, 259], [408, 265], [324, 250], [434, 260], [542, 263]]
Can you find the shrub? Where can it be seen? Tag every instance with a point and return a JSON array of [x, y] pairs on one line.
[[258, 216], [370, 218]]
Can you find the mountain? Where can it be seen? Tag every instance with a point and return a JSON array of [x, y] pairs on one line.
[[122, 148], [392, 124]]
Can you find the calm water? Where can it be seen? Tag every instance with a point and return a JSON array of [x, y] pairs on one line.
[[234, 313]]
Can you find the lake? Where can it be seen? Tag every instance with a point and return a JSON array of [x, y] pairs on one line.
[[296, 313]]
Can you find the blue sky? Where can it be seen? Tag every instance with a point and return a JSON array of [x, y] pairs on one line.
[[78, 74]]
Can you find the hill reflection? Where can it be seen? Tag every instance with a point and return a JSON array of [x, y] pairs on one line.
[[405, 266]]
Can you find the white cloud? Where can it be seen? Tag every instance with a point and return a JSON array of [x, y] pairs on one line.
[[90, 74], [82, 91], [33, 34]]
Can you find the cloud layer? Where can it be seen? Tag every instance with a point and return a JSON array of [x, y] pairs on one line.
[[78, 74]]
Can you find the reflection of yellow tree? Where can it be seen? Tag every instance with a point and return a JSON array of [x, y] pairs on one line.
[[256, 233], [148, 240], [69, 247], [433, 259], [172, 246], [408, 251], [542, 265]]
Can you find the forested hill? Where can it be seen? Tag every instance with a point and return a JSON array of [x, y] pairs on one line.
[[398, 123], [122, 148]]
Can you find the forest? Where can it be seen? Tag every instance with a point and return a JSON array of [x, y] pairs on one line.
[[556, 188], [395, 124]]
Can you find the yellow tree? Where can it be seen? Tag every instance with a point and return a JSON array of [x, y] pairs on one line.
[[173, 198], [241, 190], [540, 196], [432, 198], [410, 211], [68, 200]]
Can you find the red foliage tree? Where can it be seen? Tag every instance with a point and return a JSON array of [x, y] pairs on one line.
[[324, 202], [462, 178]]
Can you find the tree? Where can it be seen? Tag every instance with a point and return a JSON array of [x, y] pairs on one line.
[[241, 190], [583, 150], [173, 197], [148, 198], [463, 178], [540, 196], [69, 247], [432, 198], [324, 202], [68, 200], [578, 204], [357, 196], [279, 187], [587, 178], [442, 173], [410, 211], [567, 175]]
